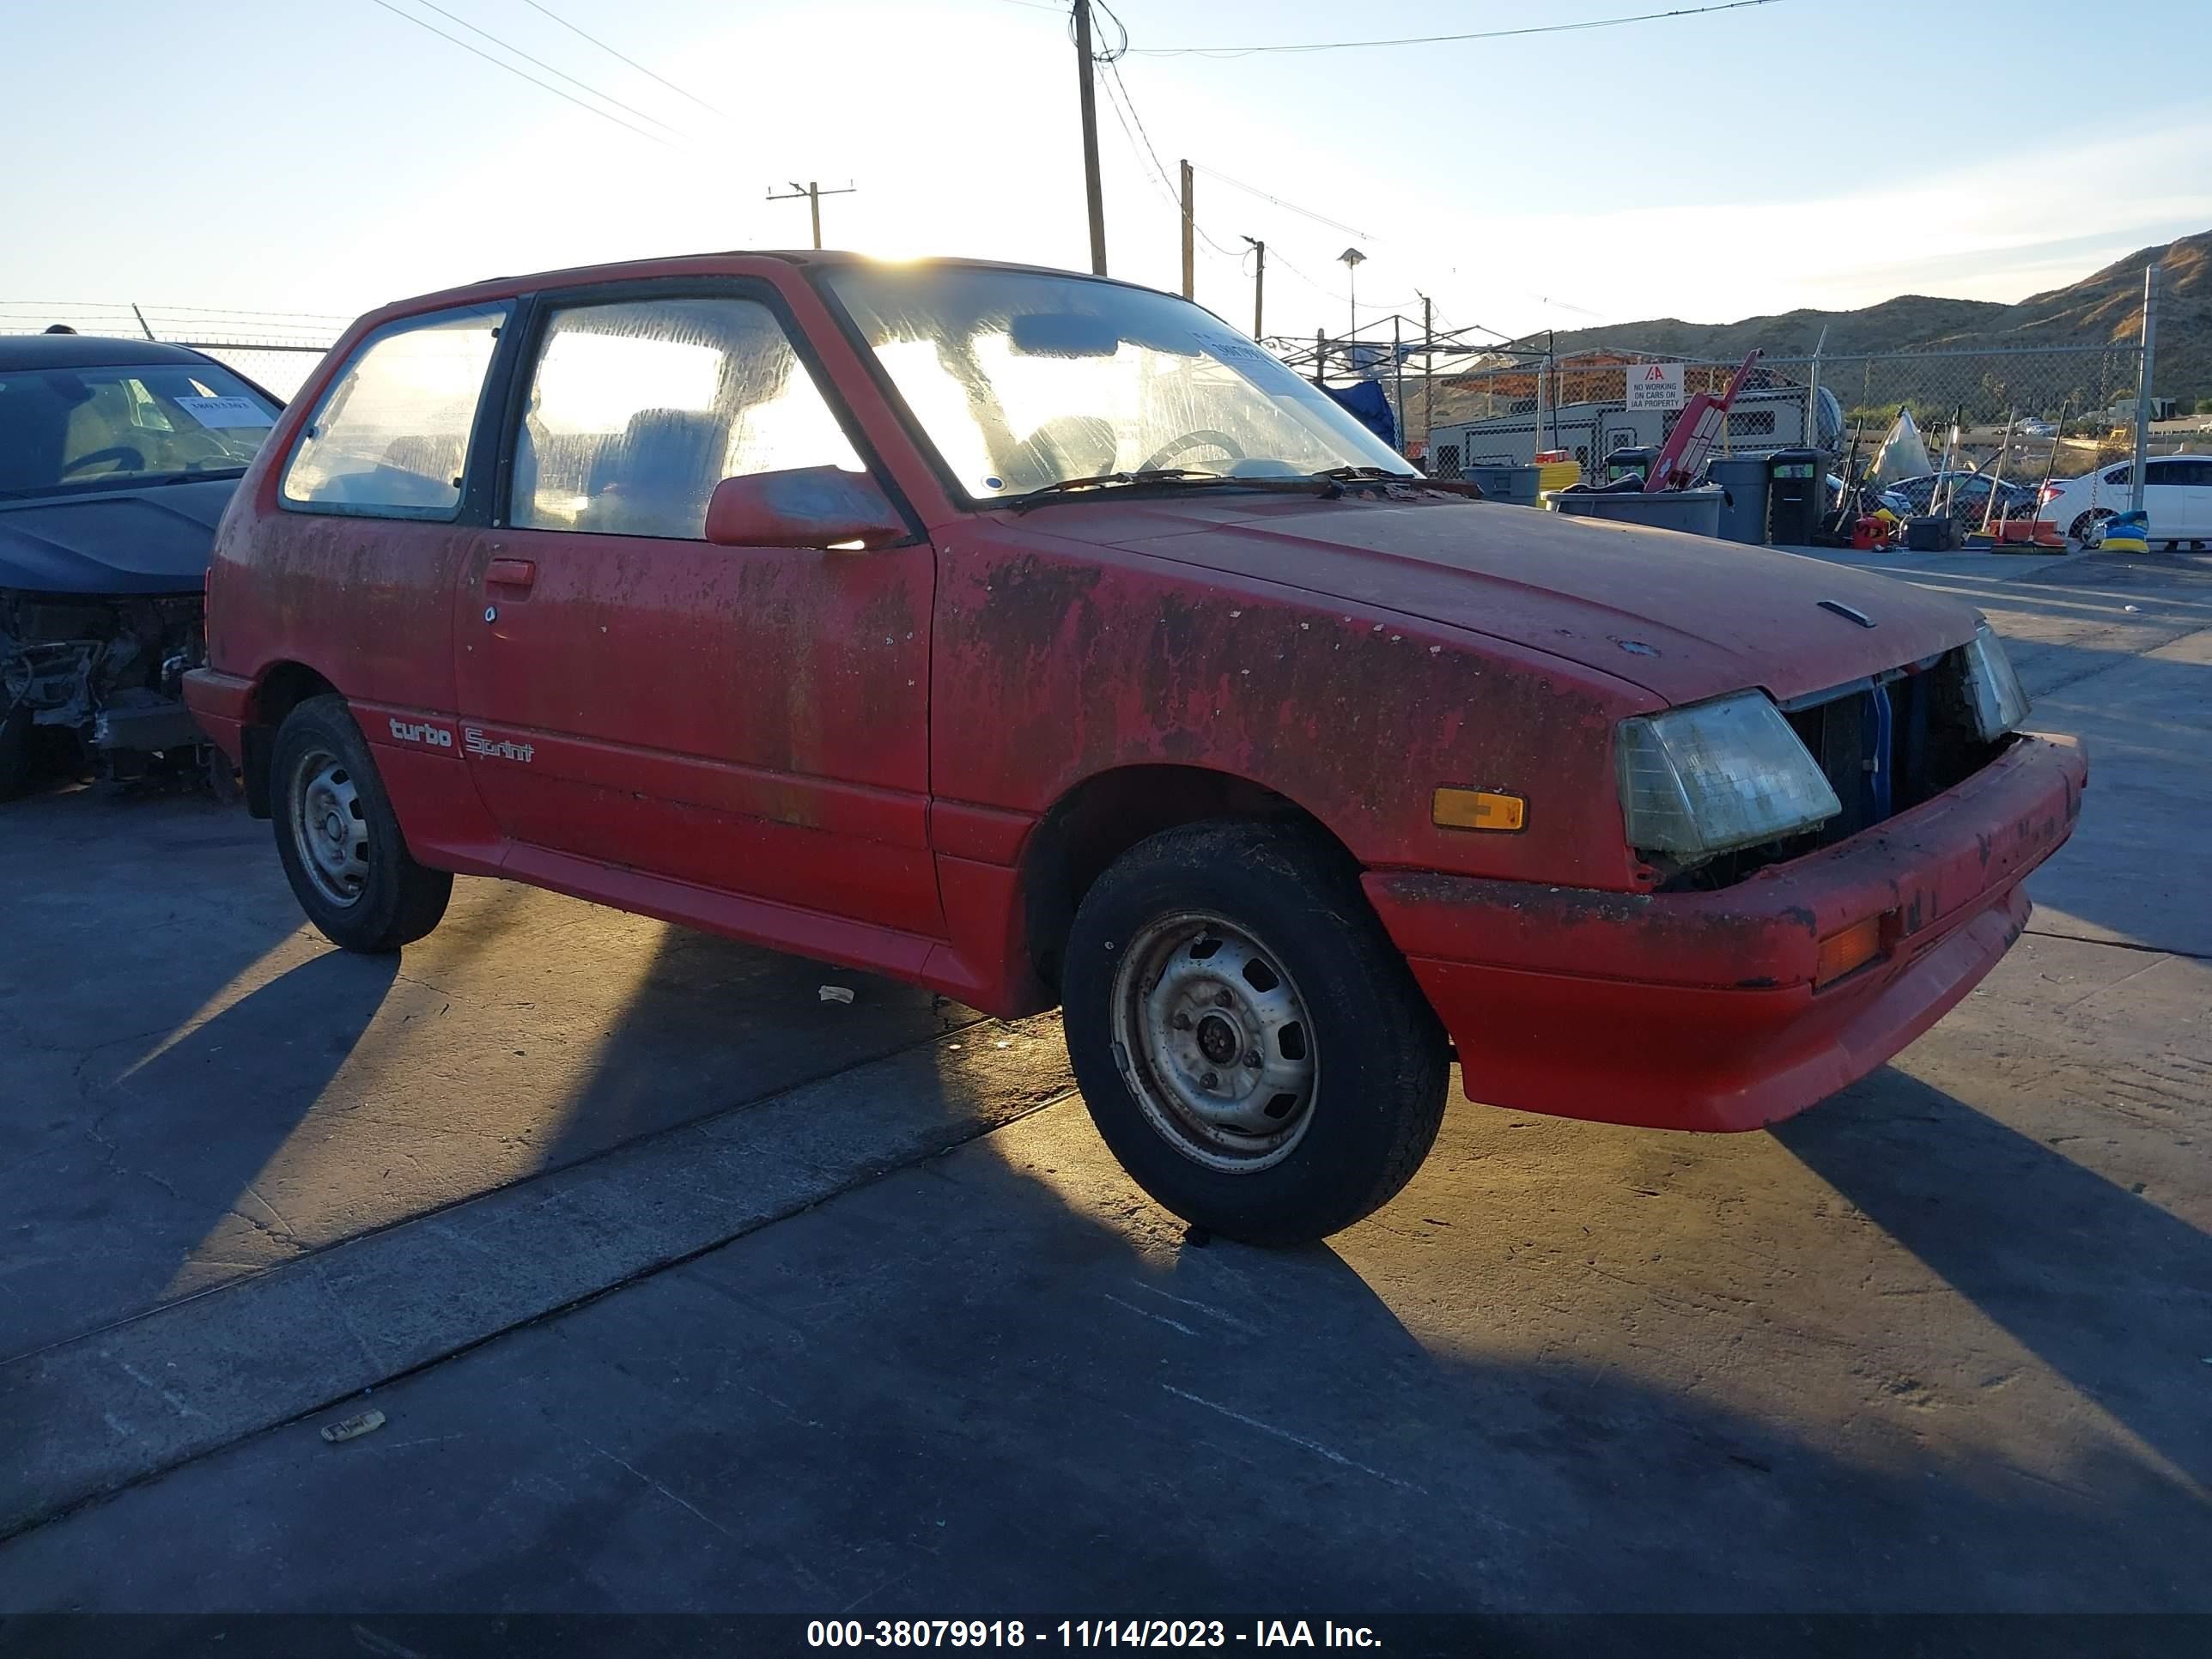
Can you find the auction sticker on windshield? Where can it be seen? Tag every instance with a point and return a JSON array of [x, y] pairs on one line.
[[1230, 350], [224, 411]]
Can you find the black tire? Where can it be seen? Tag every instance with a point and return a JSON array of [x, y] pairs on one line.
[[1378, 1062], [14, 753], [2081, 528], [321, 770]]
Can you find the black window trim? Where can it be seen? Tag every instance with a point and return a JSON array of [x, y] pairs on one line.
[[534, 313], [468, 510]]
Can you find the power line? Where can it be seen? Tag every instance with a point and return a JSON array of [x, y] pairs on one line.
[[509, 45], [1291, 207], [1441, 39], [1114, 83], [626, 59], [548, 86]]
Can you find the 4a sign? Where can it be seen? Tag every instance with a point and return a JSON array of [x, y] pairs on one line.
[[1655, 385]]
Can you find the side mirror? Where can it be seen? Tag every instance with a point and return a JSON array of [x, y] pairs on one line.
[[804, 507]]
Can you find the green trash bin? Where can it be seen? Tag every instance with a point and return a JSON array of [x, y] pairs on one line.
[[1517, 485], [1696, 511], [1624, 462]]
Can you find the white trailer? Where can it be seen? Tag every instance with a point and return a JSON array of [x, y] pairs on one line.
[[1768, 418]]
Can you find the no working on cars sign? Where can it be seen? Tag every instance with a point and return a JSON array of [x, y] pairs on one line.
[[1655, 385]]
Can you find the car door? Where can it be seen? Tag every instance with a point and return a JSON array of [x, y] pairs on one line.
[[2189, 484], [381, 499], [747, 720]]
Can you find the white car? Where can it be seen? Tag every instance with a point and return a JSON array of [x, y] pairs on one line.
[[2176, 496], [2036, 429]]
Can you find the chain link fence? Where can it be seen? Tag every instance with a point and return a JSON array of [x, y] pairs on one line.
[[277, 351], [2066, 408]]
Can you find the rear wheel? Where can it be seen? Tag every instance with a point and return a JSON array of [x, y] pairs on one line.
[[1250, 1044], [338, 839], [2088, 530]]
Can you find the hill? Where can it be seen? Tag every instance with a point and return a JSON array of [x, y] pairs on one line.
[[2105, 308]]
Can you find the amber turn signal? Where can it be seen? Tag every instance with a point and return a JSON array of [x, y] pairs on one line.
[[1854, 947], [1477, 808]]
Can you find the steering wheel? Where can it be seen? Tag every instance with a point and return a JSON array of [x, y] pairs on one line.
[[1204, 438], [119, 453]]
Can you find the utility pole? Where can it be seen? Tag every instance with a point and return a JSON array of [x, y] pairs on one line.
[[1088, 98], [1259, 280], [2142, 389], [1189, 224], [1550, 349], [1398, 378], [813, 193], [1428, 380]]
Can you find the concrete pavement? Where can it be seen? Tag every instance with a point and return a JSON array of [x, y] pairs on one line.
[[1944, 1343]]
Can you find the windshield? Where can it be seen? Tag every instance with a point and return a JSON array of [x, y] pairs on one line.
[[1023, 379], [114, 427]]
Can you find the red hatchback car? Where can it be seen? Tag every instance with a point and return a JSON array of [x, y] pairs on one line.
[[1039, 638]]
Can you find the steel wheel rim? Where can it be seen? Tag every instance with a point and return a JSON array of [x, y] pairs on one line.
[[329, 827], [1215, 1042]]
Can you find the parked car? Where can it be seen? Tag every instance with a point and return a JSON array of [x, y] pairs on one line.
[[1967, 500], [1041, 639], [117, 458], [2177, 496], [2037, 429]]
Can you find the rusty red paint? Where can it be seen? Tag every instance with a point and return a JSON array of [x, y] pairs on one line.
[[848, 754]]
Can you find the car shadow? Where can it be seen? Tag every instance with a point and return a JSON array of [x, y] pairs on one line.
[[1001, 1382], [159, 1151], [2108, 1289]]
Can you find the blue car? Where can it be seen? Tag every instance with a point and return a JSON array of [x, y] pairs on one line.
[[117, 458]]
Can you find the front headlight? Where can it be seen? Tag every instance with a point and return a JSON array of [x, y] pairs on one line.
[[1702, 780], [1993, 690]]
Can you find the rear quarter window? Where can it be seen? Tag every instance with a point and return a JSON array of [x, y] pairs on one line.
[[391, 437]]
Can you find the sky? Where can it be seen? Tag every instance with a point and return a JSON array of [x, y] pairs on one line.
[[325, 156]]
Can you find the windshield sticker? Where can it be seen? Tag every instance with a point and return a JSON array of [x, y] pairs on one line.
[[1230, 350], [224, 411]]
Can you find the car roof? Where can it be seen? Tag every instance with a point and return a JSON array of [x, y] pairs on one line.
[[701, 265], [20, 351]]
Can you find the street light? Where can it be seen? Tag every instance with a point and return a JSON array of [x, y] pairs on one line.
[[1351, 258]]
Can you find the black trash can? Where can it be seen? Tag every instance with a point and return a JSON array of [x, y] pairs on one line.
[[1623, 462], [1743, 511], [1797, 482]]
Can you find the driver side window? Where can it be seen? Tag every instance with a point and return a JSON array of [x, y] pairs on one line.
[[638, 410]]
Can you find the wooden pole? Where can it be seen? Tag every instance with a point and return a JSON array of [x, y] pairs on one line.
[[1088, 98], [1189, 225]]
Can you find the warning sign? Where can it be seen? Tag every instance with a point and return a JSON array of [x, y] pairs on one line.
[[1655, 385]]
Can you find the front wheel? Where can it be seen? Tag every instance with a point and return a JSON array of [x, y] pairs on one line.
[[1251, 1046], [339, 840]]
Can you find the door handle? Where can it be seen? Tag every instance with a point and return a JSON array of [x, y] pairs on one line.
[[510, 573]]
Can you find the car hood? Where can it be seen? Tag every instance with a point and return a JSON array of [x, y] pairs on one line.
[[155, 540], [1683, 617]]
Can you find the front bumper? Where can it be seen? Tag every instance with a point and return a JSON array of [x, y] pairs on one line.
[[1698, 1011]]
